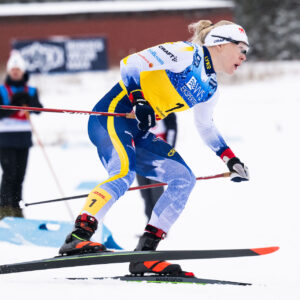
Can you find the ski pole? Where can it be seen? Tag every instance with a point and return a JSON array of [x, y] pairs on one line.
[[69, 111], [48, 162], [142, 187]]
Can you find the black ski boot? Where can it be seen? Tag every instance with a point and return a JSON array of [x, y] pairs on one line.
[[78, 241], [149, 241], [10, 211]]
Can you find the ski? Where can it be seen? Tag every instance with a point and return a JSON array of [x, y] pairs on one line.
[[128, 256], [164, 279]]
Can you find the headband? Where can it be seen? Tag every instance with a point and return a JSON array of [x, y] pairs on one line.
[[225, 34]]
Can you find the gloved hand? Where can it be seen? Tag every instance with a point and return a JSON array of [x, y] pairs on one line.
[[20, 99], [144, 113], [239, 170]]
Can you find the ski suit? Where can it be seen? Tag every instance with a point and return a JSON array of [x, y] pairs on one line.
[[173, 77], [165, 129]]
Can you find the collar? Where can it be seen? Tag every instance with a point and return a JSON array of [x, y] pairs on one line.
[[208, 65], [18, 83]]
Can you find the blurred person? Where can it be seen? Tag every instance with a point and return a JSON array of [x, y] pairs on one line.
[[157, 81], [165, 129], [15, 134]]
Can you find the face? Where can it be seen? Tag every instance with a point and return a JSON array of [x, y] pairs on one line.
[[232, 56], [16, 74]]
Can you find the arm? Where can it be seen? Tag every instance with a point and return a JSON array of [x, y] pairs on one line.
[[203, 113], [35, 102], [27, 98], [211, 136], [4, 113]]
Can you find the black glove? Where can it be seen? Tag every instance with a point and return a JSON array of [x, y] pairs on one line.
[[239, 170], [144, 113], [20, 99]]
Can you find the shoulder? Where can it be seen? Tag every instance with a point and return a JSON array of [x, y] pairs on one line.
[[175, 51], [3, 91], [32, 89], [209, 104]]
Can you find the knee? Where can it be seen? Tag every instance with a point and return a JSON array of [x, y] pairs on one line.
[[9, 177], [189, 181], [192, 180], [121, 185], [185, 180], [129, 178]]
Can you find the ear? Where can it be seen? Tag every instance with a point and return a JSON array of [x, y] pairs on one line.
[[220, 47]]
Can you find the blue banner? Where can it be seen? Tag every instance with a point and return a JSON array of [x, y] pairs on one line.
[[61, 55], [46, 233]]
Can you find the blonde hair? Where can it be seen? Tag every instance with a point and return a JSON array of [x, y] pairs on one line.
[[201, 29]]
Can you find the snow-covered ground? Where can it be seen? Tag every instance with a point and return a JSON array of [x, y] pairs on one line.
[[260, 121]]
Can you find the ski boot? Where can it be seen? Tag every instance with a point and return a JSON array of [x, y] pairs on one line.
[[78, 241], [149, 241], [10, 211]]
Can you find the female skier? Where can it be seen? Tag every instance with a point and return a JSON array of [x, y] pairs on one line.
[[157, 81]]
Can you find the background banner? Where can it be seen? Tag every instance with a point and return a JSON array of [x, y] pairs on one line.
[[64, 54]]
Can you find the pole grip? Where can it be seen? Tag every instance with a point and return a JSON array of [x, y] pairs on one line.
[[130, 115]]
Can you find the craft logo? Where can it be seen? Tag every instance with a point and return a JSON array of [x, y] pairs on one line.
[[170, 54], [241, 30]]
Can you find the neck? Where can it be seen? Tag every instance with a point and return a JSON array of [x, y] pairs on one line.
[[217, 63], [21, 82]]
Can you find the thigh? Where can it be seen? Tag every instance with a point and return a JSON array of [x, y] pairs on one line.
[[21, 162], [114, 144], [157, 160], [8, 160], [113, 136]]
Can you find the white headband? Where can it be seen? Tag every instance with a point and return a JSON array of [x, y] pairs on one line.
[[232, 32]]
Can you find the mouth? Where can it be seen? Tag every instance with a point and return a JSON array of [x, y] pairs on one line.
[[236, 66]]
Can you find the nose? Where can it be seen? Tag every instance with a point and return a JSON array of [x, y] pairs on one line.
[[243, 57]]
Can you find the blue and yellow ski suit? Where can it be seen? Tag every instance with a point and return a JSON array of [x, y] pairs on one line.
[[173, 77]]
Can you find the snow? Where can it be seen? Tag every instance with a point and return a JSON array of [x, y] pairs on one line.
[[260, 121], [65, 7]]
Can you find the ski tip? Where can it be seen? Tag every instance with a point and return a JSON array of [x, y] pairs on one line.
[[263, 251]]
